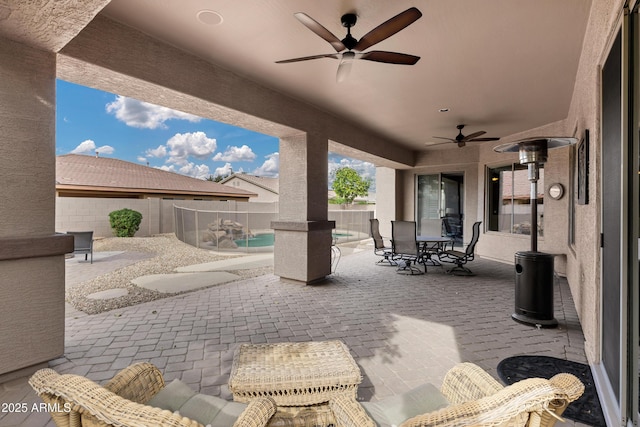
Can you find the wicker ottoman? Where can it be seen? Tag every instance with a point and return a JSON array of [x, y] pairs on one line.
[[293, 374]]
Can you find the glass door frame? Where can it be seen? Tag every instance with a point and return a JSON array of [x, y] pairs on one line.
[[441, 209]]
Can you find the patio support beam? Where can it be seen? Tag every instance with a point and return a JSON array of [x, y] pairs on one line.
[[302, 249], [31, 288]]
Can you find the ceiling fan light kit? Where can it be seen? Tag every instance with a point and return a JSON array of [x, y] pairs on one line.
[[345, 48]]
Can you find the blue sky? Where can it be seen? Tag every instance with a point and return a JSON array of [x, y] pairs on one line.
[[90, 121]]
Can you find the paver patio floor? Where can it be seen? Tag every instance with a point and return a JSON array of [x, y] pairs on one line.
[[402, 330]]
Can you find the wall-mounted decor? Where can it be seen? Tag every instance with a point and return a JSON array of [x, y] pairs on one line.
[[583, 170], [556, 191]]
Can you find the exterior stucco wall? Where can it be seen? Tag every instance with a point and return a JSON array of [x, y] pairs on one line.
[[31, 290], [92, 214], [583, 264], [580, 262]]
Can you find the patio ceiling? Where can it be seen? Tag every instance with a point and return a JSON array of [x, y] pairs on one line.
[[502, 66]]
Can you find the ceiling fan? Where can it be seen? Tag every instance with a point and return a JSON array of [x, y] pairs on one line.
[[345, 48], [462, 140]]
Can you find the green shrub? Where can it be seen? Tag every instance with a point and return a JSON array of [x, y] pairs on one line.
[[125, 222]]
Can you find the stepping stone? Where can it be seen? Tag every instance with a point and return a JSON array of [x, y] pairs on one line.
[[180, 282], [109, 294], [240, 263]]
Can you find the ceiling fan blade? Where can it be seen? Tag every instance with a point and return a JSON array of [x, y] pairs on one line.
[[344, 69], [484, 139], [473, 135], [448, 139], [388, 28], [390, 57], [321, 31], [307, 58], [434, 143]]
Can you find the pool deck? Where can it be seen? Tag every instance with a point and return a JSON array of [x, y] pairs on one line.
[[402, 330]]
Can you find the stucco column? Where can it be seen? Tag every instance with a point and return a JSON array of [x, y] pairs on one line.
[[302, 249], [387, 194], [31, 255]]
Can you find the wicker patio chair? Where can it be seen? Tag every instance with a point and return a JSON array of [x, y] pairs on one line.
[[468, 397], [75, 401]]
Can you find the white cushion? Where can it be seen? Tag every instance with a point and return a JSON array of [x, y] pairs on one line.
[[207, 410]]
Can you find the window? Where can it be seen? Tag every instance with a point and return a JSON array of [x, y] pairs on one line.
[[509, 200]]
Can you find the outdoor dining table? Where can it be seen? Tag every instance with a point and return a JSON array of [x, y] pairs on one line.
[[430, 246]]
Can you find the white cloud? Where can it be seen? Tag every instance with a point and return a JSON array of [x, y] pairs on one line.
[[167, 168], [89, 147], [194, 144], [270, 167], [365, 169], [161, 151], [142, 159], [85, 147], [141, 114], [188, 169], [196, 171], [105, 149], [236, 154], [223, 170]]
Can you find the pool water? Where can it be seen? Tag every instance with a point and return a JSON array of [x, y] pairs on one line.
[[266, 239], [257, 241], [341, 234]]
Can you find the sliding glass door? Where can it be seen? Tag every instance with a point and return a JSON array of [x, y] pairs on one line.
[[440, 197]]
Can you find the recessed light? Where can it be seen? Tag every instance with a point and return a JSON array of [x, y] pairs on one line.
[[209, 17], [443, 110]]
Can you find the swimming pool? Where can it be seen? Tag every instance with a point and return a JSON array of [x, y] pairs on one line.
[[267, 239]]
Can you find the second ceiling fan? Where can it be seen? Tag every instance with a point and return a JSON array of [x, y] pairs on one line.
[[345, 48], [462, 140]]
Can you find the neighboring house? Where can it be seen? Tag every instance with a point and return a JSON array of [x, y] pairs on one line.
[[88, 176], [265, 187]]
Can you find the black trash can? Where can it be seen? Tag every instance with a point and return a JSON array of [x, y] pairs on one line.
[[534, 289]]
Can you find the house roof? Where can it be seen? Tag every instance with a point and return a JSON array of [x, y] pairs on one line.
[[266, 182], [81, 172]]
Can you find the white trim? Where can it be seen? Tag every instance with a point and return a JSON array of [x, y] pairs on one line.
[[610, 407]]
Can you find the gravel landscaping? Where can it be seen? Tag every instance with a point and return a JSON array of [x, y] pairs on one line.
[[168, 252]]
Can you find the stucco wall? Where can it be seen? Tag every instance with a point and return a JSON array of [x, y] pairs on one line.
[[31, 290], [92, 214], [581, 261], [583, 265]]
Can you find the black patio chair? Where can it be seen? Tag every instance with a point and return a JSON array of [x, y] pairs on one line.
[[460, 258], [82, 243], [406, 251], [378, 245]]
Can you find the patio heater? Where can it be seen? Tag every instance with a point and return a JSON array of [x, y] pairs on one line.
[[534, 270]]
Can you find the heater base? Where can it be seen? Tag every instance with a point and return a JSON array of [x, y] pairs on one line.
[[522, 318]]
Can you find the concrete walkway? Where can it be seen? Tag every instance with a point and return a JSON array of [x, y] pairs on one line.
[[402, 330]]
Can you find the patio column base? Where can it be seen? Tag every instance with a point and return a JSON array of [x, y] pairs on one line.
[[302, 252]]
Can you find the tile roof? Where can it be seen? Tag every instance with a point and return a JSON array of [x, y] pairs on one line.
[[266, 182], [104, 174]]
